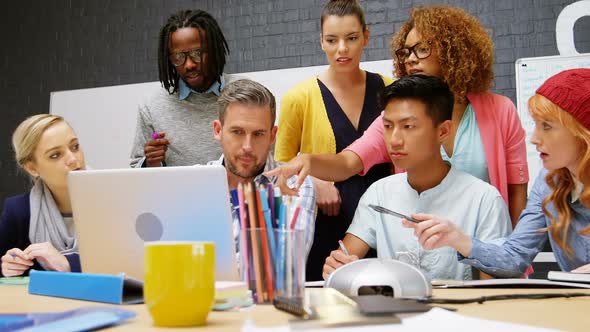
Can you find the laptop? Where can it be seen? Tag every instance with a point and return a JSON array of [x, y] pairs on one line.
[[117, 210]]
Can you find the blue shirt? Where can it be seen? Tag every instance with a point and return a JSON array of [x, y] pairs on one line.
[[473, 205], [184, 90], [468, 152], [512, 258]]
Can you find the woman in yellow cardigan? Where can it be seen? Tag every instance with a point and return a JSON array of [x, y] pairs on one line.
[[327, 113]]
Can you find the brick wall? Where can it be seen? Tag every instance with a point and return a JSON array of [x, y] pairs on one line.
[[63, 45]]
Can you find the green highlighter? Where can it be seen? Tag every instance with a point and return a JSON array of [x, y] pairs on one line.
[[15, 281]]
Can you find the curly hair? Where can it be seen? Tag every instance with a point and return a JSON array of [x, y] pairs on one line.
[[465, 48], [560, 180]]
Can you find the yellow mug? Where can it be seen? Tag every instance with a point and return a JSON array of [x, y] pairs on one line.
[[179, 285]]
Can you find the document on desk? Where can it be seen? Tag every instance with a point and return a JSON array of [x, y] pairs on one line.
[[319, 283], [507, 283], [437, 319], [82, 319], [569, 276]]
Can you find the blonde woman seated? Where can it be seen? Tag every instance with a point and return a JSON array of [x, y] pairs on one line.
[[36, 228]]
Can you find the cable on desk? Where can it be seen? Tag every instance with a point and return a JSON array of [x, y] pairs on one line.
[[482, 299]]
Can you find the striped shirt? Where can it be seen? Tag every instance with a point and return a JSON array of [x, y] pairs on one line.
[[306, 219]]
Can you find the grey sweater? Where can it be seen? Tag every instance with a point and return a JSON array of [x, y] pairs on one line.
[[188, 125]]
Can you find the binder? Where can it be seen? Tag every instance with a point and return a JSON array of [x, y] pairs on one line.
[[116, 289], [82, 319], [119, 289]]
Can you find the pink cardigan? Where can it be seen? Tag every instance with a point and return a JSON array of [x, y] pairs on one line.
[[502, 136]]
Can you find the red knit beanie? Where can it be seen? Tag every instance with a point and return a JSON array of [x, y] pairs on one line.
[[570, 90]]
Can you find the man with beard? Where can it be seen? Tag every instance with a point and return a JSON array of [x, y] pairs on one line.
[[173, 125], [246, 131]]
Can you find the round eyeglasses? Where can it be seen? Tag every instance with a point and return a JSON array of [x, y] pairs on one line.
[[421, 50], [179, 58]]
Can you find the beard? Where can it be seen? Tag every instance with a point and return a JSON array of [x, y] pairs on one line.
[[203, 83], [257, 169]]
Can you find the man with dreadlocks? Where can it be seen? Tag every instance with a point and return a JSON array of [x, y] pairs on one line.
[[174, 125]]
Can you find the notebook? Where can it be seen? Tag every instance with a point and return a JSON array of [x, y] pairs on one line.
[[569, 276], [507, 283], [118, 289], [232, 295], [83, 319]]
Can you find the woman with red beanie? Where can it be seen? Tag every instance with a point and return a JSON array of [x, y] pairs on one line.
[[558, 207]]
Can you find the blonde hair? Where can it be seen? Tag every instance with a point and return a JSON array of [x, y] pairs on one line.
[[28, 134], [560, 180]]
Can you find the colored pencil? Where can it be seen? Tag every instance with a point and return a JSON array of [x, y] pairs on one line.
[[268, 221], [295, 216], [289, 263], [243, 245], [280, 265], [255, 254], [265, 247], [271, 204], [277, 203]]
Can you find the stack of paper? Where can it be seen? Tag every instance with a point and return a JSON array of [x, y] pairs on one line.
[[569, 276], [436, 319], [231, 294], [510, 282]]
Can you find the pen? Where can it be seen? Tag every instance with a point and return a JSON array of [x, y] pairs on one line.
[[271, 204], [295, 216], [343, 248], [268, 222], [381, 209], [243, 231], [156, 135], [277, 204]]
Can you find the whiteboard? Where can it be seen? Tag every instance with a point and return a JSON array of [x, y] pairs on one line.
[[105, 118], [530, 74]]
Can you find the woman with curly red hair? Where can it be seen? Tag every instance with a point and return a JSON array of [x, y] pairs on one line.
[[558, 208], [487, 138]]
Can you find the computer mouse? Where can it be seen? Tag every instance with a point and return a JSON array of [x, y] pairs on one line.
[[384, 276]]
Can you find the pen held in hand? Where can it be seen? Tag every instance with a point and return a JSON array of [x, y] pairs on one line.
[[381, 209], [156, 135], [343, 247]]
